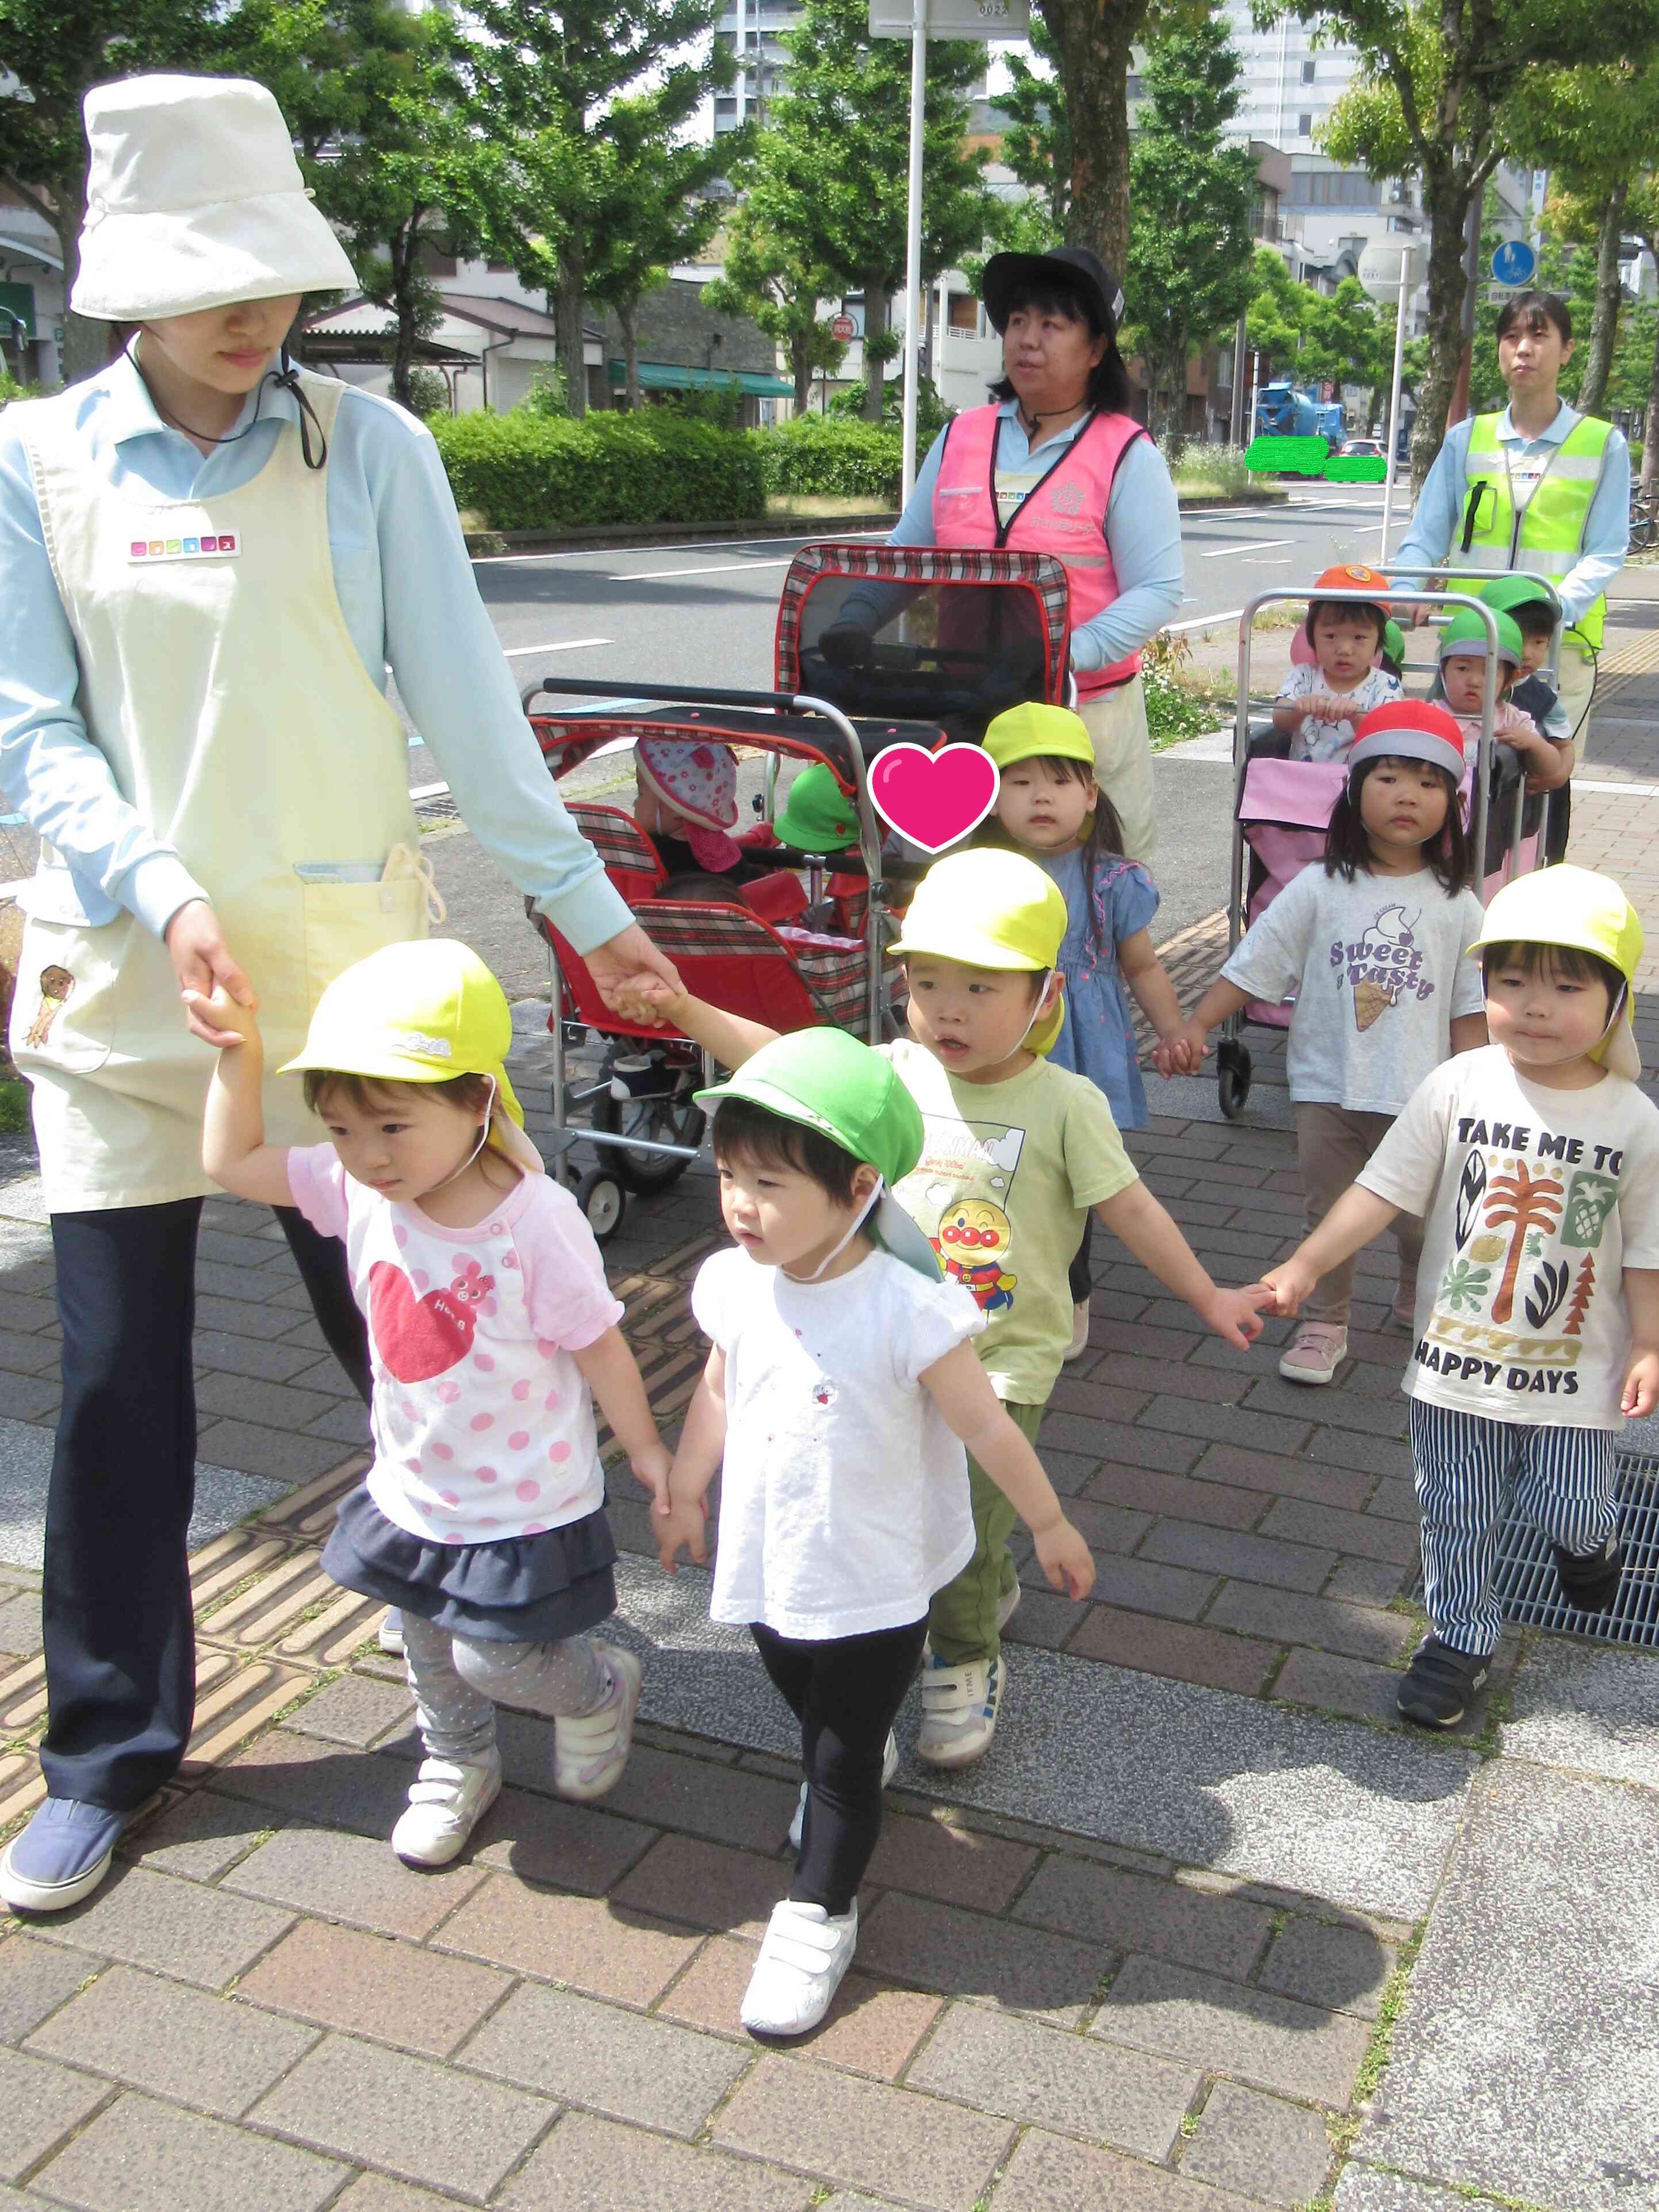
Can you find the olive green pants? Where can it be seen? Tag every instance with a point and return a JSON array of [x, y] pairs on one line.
[[961, 1621]]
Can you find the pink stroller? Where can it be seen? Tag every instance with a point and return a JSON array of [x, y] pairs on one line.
[[1284, 808]]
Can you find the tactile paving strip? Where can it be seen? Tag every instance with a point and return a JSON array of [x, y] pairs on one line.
[[1529, 1593]]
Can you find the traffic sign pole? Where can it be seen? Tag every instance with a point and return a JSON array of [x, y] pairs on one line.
[[913, 298]]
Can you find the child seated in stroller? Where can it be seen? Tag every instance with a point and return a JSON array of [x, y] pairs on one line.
[[1323, 697]]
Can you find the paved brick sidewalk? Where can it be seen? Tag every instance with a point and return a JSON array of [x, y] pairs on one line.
[[266, 2010]]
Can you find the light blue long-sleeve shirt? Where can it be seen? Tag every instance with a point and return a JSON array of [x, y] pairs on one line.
[[409, 597], [1437, 526], [1142, 531]]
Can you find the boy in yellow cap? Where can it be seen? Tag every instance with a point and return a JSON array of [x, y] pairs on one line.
[[1016, 1154], [1535, 1164], [492, 1329]]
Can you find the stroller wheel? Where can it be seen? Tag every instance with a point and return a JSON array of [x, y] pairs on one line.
[[1232, 1076], [670, 1117], [599, 1195]]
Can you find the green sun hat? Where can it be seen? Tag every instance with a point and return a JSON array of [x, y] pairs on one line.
[[828, 1081], [1467, 633], [818, 816], [1394, 642], [1505, 594]]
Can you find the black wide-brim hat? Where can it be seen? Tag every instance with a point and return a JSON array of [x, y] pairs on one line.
[[1070, 268]]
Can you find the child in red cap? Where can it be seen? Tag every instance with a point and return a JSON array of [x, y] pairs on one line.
[[1372, 945]]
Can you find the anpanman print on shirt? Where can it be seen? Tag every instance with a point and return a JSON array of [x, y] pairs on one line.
[[958, 1195]]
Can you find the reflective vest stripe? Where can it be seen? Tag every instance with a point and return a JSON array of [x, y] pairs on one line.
[[1546, 536]]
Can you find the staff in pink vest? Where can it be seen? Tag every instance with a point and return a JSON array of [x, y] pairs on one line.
[[1056, 463]]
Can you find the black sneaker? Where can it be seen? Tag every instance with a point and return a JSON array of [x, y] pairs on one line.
[[1439, 1684], [1590, 1580]]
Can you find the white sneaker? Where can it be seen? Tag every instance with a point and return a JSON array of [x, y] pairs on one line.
[[391, 1634], [888, 1769], [800, 1968], [1314, 1353], [590, 1753], [958, 1711], [1079, 1343], [447, 1800]]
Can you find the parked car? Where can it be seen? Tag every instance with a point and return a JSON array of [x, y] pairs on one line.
[[1367, 448]]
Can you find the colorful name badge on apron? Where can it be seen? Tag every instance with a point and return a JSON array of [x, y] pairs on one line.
[[184, 549]]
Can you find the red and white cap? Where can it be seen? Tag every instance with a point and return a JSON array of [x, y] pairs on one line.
[[1408, 729], [699, 782]]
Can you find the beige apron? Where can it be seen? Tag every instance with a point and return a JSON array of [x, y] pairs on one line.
[[220, 684]]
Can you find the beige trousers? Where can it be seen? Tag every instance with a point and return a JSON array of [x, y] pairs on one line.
[[1578, 673], [1332, 1146], [1117, 722]]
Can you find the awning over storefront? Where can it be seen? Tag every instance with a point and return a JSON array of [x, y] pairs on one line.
[[671, 376]]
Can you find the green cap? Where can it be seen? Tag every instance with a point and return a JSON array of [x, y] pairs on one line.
[[1394, 642], [828, 1081], [1506, 593], [1467, 633], [818, 816]]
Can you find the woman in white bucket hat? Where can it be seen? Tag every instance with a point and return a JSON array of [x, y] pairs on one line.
[[207, 560]]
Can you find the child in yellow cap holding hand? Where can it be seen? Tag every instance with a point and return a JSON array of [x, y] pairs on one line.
[[1534, 1166], [492, 1330], [1016, 1155], [1050, 808]]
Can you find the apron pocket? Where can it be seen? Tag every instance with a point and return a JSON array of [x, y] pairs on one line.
[[62, 1013], [344, 922]]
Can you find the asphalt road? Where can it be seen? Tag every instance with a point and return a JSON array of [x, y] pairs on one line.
[[703, 614]]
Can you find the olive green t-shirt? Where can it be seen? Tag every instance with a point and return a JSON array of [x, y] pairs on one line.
[[1007, 1174]]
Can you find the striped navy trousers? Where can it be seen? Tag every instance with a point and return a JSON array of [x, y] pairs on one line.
[[1467, 1469]]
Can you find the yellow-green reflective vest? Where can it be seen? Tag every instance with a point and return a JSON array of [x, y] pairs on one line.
[[1546, 536]]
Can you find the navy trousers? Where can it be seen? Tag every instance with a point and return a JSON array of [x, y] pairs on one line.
[[120, 1646]]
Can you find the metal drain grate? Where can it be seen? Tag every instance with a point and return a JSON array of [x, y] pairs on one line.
[[1529, 1592]]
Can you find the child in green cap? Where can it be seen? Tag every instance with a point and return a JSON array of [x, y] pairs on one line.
[[837, 1403], [1018, 1153], [1463, 646]]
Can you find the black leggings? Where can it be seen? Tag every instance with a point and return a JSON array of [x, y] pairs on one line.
[[119, 1641], [846, 1693]]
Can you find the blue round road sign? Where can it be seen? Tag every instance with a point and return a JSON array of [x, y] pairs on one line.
[[1515, 262]]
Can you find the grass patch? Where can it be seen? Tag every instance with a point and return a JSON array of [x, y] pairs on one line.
[[1380, 2048], [13, 1106], [1212, 472], [1178, 704]]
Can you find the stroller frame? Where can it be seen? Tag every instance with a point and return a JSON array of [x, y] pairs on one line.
[[1233, 1066]]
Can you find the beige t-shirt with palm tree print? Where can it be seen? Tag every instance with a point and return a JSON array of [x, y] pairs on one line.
[[1535, 1201]]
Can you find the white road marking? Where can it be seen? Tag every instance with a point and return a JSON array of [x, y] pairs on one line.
[[1258, 545], [564, 645], [1625, 790], [709, 568]]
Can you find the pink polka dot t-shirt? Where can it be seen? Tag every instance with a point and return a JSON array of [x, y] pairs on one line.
[[483, 1427]]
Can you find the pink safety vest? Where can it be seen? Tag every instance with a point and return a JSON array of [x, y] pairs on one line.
[[1063, 513]]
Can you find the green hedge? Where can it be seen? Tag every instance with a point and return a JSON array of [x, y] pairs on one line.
[[816, 456], [533, 472]]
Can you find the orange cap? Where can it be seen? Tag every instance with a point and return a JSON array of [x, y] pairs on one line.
[[1351, 577]]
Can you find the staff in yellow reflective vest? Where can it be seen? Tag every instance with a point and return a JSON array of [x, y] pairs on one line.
[[1538, 487]]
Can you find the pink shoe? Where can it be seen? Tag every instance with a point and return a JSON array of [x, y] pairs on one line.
[[1314, 1353]]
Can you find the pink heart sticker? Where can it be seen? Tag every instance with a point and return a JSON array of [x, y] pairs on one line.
[[933, 798]]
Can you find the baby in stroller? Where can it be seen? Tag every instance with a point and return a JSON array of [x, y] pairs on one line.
[[1324, 694]]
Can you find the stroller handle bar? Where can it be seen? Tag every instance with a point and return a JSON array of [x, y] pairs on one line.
[[678, 695]]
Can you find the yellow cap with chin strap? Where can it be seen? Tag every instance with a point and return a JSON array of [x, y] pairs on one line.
[[990, 909], [1574, 907], [423, 1012]]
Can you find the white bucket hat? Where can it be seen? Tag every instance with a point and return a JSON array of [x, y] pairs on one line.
[[194, 200]]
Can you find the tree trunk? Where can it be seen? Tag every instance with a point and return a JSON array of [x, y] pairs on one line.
[[1604, 325], [86, 344], [568, 315], [1446, 206], [630, 338], [875, 368], [800, 367], [401, 254], [1093, 44]]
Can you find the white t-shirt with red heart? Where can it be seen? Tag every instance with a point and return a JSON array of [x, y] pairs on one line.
[[483, 1424]]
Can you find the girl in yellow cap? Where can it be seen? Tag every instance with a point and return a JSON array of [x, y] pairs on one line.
[[1050, 807], [1534, 1166], [492, 1329]]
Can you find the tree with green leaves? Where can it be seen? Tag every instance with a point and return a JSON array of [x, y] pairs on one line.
[[1092, 45], [372, 95], [827, 185], [1311, 336], [57, 50], [1037, 139], [588, 92], [1429, 98], [766, 278], [1189, 273]]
